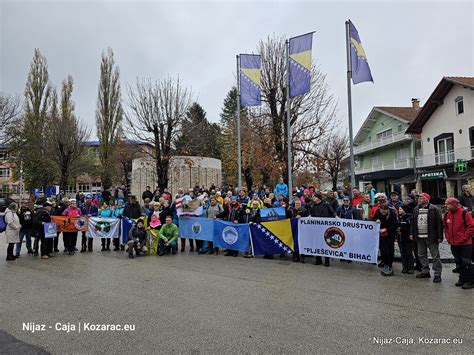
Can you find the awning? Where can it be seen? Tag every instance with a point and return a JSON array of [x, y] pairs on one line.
[[462, 176], [409, 179]]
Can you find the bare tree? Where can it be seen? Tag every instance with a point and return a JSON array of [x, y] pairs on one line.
[[156, 112], [109, 114], [66, 136], [127, 151], [312, 115], [10, 111], [330, 157]]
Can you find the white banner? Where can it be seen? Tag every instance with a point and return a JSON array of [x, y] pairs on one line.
[[339, 238], [103, 227]]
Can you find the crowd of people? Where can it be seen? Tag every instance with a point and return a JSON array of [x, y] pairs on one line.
[[413, 222]]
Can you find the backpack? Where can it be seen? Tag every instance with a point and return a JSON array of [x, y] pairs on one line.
[[3, 225]]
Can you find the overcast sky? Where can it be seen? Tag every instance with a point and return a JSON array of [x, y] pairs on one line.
[[410, 45]]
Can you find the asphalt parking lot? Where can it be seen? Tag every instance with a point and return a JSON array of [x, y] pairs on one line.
[[214, 304]]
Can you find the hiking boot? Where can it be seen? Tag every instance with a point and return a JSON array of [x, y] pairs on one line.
[[161, 253], [410, 271], [318, 261], [404, 271], [51, 255], [387, 271], [45, 257], [381, 264], [130, 256], [182, 249], [248, 256], [468, 285], [31, 251], [71, 253], [423, 275], [302, 259], [326, 262], [456, 270], [10, 258], [437, 279], [174, 251], [83, 249]]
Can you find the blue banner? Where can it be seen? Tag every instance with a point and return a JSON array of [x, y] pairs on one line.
[[50, 230], [231, 236], [196, 228], [272, 214]]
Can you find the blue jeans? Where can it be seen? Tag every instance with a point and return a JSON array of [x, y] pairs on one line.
[[24, 232], [173, 245]]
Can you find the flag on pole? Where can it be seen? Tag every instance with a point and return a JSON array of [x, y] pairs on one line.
[[300, 64], [250, 79], [359, 66]]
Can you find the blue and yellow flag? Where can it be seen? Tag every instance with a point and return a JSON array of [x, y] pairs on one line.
[[300, 64], [250, 79], [274, 237], [359, 66]]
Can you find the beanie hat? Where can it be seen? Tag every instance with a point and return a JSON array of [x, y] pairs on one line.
[[412, 197], [452, 201], [425, 195]]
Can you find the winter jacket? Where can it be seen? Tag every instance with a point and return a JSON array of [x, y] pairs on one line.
[[292, 212], [137, 234], [169, 231], [164, 213], [281, 189], [12, 221], [118, 211], [458, 230], [333, 203], [405, 220], [89, 210], [435, 223], [467, 201], [26, 218], [322, 209], [347, 213], [72, 212], [232, 212], [388, 222], [105, 213], [133, 210], [147, 194], [213, 211], [41, 216]]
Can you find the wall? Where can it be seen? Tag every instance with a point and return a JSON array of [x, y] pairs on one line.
[[445, 120], [184, 173]]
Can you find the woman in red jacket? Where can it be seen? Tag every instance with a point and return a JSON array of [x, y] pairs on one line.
[[458, 228]]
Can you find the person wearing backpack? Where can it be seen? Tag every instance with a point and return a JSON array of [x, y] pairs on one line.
[[458, 227], [12, 231]]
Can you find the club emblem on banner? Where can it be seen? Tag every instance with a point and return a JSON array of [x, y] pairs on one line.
[[230, 235], [102, 226], [334, 237], [80, 223], [197, 228]]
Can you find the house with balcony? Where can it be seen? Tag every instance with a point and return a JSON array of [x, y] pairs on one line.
[[382, 149], [444, 128]]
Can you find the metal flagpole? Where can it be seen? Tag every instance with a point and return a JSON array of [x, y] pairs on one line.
[[349, 104], [288, 122], [239, 152]]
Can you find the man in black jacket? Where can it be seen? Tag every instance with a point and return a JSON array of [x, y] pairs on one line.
[[133, 209], [321, 208], [41, 217], [427, 229], [147, 194], [297, 211], [26, 222]]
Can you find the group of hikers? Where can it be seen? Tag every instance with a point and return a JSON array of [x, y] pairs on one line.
[[413, 222]]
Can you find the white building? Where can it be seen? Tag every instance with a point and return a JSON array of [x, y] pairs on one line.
[[445, 128], [185, 172]]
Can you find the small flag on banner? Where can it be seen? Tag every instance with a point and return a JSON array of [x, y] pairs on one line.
[[250, 79], [274, 237], [300, 64], [359, 66]]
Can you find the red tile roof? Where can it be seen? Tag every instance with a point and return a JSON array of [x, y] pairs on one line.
[[406, 113], [461, 80]]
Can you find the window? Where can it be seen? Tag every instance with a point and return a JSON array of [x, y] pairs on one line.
[[15, 189], [384, 134], [402, 153], [444, 148], [70, 189], [3, 155], [84, 187], [96, 187], [374, 159], [459, 105], [4, 172]]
